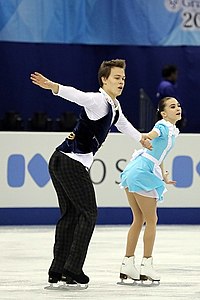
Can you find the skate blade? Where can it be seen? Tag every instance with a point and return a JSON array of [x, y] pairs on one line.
[[52, 287], [74, 287], [130, 283], [145, 283], [64, 286], [149, 283]]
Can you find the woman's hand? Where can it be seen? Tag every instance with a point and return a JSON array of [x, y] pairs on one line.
[[166, 180]]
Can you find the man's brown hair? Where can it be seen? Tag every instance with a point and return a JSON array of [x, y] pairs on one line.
[[106, 66]]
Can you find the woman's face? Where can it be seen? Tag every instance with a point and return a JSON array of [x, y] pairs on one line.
[[172, 111], [114, 84]]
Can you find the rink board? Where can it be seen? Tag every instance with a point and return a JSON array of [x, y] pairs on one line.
[[28, 197], [106, 216]]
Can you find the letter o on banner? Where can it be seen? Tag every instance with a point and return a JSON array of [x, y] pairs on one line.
[[98, 171]]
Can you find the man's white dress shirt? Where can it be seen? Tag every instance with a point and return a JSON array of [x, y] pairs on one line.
[[96, 107]]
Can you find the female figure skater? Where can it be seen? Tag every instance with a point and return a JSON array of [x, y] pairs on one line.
[[144, 181]]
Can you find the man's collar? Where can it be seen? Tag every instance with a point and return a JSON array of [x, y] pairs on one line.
[[108, 98]]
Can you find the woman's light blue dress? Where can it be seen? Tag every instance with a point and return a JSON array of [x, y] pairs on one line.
[[143, 173]]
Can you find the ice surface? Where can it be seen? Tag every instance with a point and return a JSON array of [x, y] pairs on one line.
[[26, 254]]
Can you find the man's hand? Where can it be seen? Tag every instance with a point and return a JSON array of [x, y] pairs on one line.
[[145, 141], [43, 82]]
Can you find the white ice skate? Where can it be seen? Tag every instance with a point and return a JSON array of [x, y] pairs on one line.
[[128, 271], [147, 272]]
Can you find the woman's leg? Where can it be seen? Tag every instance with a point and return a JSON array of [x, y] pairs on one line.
[[128, 269], [136, 226], [148, 207]]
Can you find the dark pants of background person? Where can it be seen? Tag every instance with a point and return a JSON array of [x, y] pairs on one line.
[[77, 202]]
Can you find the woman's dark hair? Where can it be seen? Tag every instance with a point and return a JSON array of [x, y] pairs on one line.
[[106, 66], [161, 107]]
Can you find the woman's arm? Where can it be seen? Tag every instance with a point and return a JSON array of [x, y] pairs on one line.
[[165, 175], [152, 134]]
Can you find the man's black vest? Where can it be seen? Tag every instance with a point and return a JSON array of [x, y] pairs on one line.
[[89, 134]]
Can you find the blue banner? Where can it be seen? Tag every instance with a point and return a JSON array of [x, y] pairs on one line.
[[101, 22]]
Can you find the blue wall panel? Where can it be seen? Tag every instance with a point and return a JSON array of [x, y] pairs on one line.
[[77, 65], [106, 216]]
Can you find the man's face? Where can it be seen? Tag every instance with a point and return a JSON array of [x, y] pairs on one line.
[[114, 84]]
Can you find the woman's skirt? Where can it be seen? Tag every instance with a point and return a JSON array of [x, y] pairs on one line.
[[144, 177]]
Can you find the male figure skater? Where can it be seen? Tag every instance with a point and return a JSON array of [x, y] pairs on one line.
[[70, 162]]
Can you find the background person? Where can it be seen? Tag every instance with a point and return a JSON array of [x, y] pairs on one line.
[[168, 85], [168, 88]]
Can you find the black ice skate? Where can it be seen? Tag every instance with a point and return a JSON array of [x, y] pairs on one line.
[[56, 281], [54, 277], [78, 281]]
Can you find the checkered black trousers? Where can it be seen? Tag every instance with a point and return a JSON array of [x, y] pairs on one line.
[[77, 202]]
